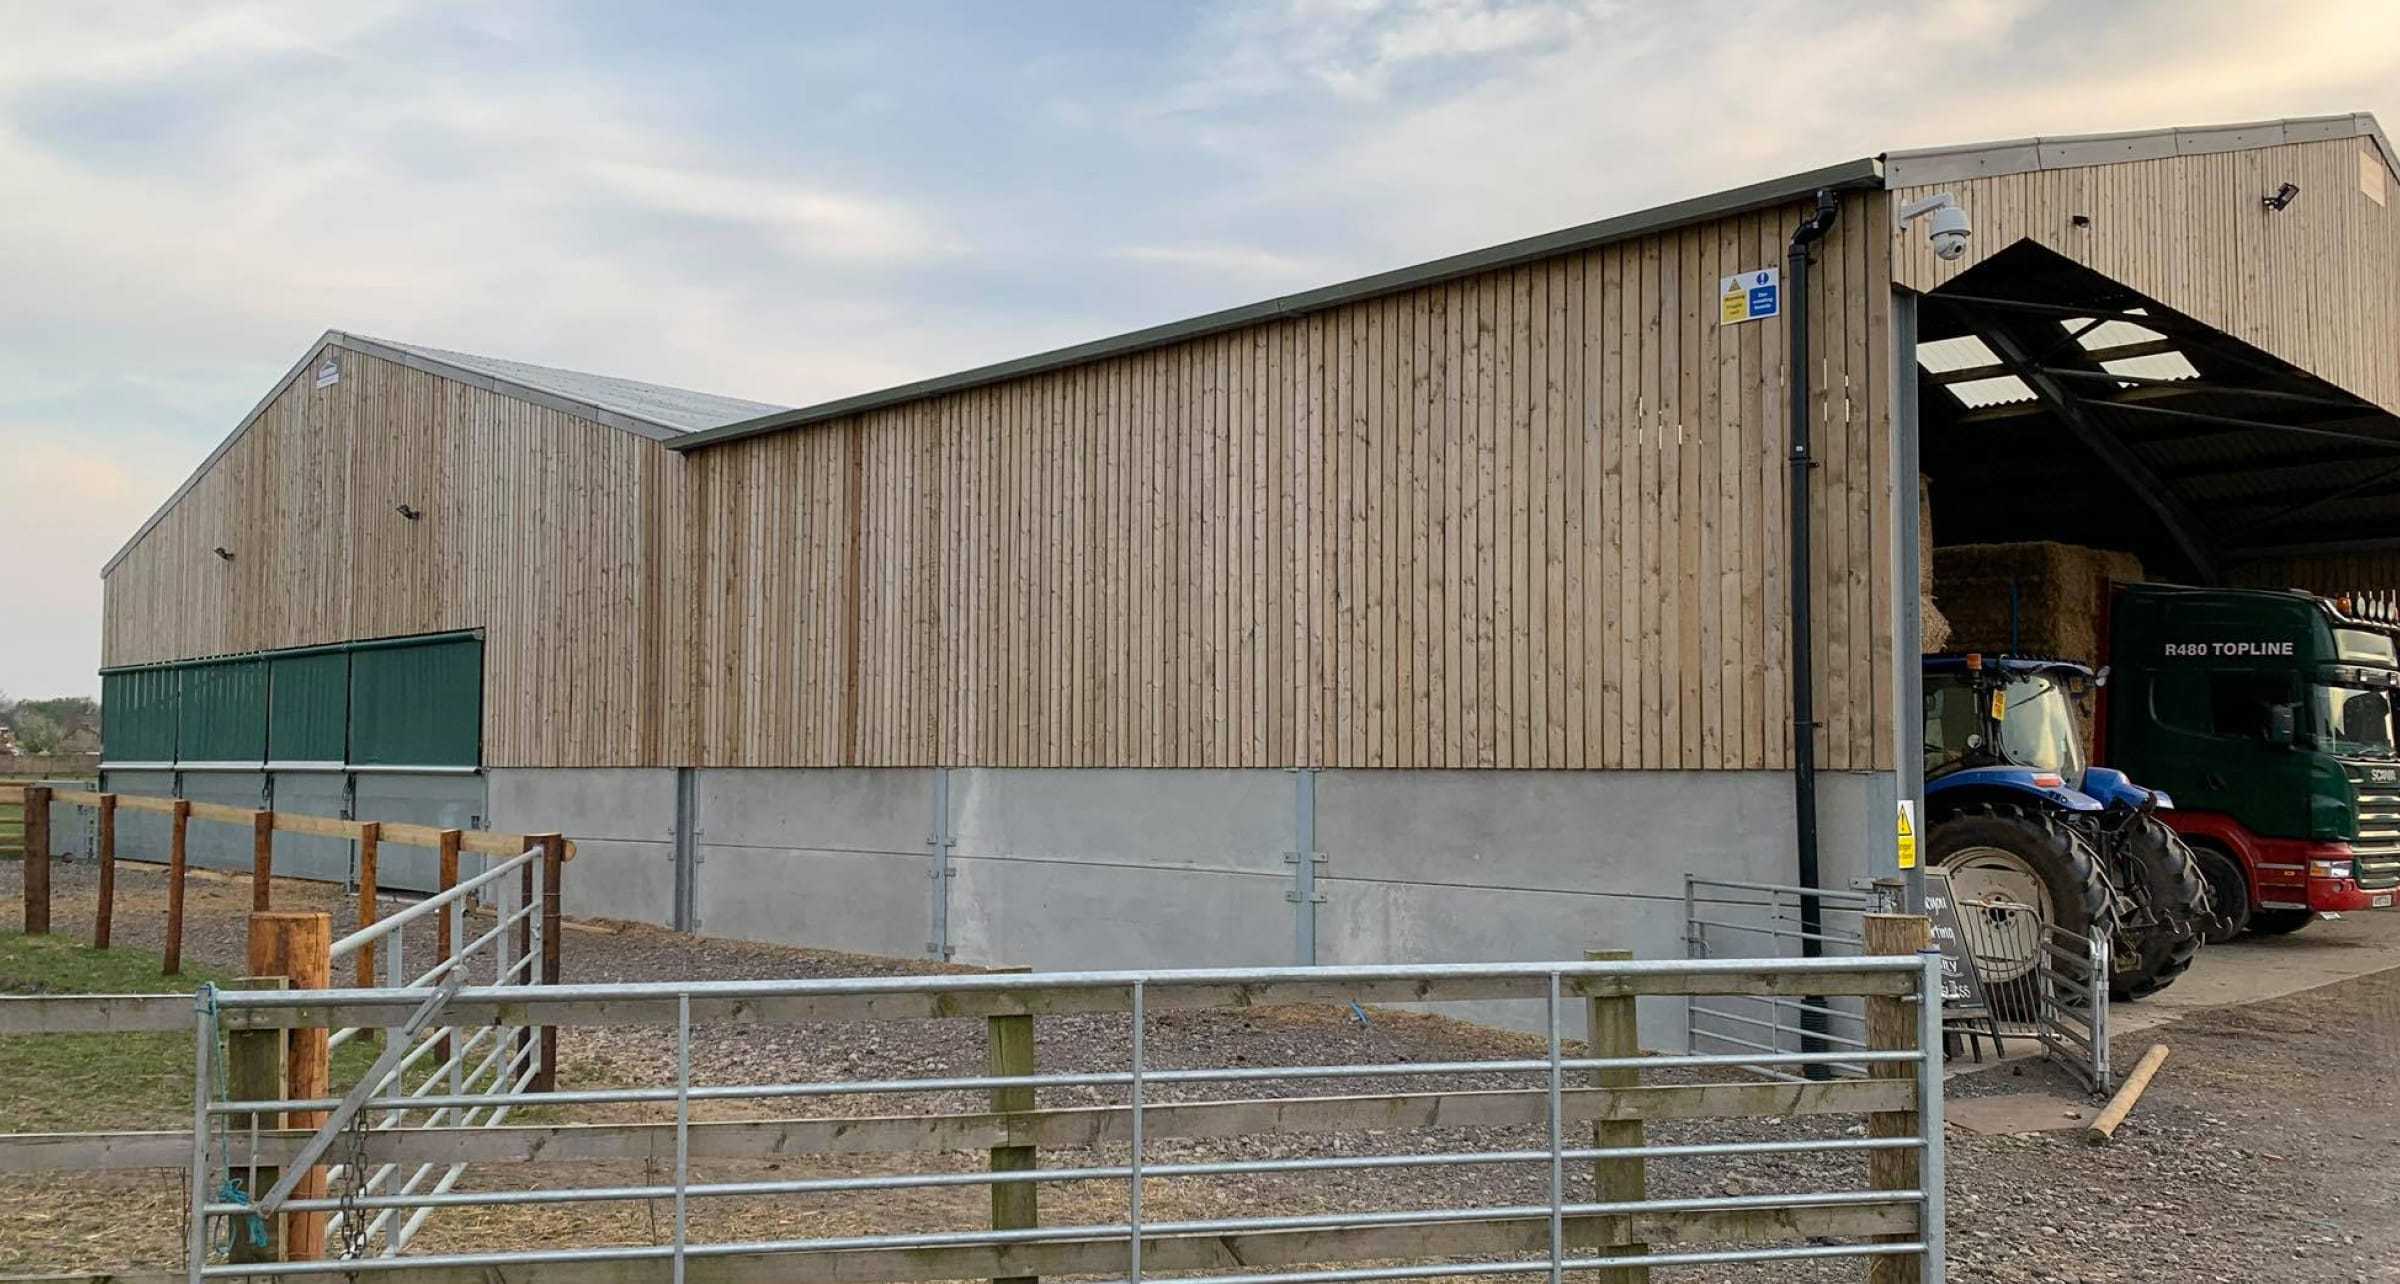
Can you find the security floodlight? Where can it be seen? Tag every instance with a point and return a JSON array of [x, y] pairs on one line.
[[1947, 229], [2283, 196]]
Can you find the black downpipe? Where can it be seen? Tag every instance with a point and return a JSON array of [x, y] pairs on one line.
[[1804, 695]]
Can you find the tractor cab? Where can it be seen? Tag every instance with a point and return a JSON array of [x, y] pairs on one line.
[[2013, 723]]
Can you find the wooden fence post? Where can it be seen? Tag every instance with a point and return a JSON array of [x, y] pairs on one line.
[[299, 946], [444, 945], [179, 826], [1892, 1027], [106, 913], [1613, 1032], [370, 839], [1008, 1050], [262, 859], [254, 1071], [554, 867], [37, 860]]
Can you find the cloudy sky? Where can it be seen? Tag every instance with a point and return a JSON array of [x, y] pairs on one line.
[[790, 203]]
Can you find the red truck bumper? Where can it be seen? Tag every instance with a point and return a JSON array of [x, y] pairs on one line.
[[2280, 868]]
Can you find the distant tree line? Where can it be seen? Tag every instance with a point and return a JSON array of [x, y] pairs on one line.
[[62, 724]]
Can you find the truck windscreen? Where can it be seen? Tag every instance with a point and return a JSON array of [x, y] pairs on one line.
[[2351, 722]]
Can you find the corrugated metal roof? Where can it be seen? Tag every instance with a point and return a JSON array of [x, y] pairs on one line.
[[680, 409]]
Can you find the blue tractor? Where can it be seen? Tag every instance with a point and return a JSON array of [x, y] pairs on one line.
[[2015, 816]]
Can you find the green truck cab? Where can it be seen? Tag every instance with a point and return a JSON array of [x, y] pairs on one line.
[[2268, 715]]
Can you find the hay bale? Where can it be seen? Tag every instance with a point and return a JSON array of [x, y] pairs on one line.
[[2047, 596], [1933, 630]]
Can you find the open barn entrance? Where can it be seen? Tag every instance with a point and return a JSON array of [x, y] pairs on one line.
[[2076, 439], [2058, 405]]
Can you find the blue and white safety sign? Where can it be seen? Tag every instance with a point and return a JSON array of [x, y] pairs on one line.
[[1750, 296]]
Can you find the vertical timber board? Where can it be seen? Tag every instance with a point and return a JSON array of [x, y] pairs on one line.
[[1528, 518]]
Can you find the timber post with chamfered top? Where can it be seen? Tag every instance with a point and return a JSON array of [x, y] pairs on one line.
[[299, 947], [1892, 1027], [554, 867], [37, 860], [262, 860], [255, 1071], [179, 828], [1614, 1032], [1008, 1050], [105, 915]]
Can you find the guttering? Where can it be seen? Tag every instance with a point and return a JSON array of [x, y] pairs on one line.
[[1804, 713], [298, 652], [1847, 176]]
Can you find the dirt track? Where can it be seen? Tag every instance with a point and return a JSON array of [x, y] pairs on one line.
[[2269, 1150]]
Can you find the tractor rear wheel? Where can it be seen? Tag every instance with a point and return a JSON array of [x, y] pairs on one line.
[[2179, 901], [2011, 871]]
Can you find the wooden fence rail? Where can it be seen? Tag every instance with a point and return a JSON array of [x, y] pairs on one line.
[[38, 803]]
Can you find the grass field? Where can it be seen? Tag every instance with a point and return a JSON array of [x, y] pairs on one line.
[[103, 1082], [78, 1082]]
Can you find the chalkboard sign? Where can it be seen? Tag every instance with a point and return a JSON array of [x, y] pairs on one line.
[[1962, 984]]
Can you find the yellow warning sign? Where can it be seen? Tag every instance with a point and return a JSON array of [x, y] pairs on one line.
[[1907, 834]]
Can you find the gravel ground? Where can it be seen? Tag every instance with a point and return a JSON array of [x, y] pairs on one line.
[[2268, 1150]]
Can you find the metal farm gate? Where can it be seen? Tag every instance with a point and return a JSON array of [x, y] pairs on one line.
[[2007, 975]]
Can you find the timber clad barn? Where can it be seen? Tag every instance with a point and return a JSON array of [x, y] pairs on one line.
[[1471, 579]]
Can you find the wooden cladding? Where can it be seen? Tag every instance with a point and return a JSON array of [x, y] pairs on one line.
[[532, 529], [2316, 283], [1533, 518]]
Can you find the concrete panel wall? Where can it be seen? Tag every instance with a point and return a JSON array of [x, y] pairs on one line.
[[1061, 868], [1458, 867], [141, 835], [219, 846], [622, 822], [328, 860], [1121, 868], [449, 801], [831, 858]]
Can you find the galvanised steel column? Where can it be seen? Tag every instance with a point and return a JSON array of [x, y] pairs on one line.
[[684, 916], [1304, 895], [940, 841], [1908, 673]]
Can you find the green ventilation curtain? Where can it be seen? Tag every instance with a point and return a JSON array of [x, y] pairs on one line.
[[137, 714], [308, 706], [417, 704], [223, 712]]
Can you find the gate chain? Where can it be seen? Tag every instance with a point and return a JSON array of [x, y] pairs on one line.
[[354, 1188]]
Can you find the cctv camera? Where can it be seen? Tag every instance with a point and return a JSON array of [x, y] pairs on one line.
[[1949, 232], [1947, 229]]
